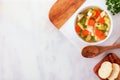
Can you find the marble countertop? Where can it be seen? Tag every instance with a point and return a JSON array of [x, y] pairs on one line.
[[31, 48]]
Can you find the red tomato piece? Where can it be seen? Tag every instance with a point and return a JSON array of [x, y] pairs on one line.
[[91, 22], [85, 32], [77, 29]]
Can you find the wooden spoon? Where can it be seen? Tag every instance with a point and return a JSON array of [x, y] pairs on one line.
[[93, 51]]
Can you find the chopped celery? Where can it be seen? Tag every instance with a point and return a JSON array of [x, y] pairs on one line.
[[88, 38], [102, 27]]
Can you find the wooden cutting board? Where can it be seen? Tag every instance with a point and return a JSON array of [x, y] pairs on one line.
[[62, 10]]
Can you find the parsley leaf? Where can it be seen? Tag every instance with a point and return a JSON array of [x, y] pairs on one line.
[[113, 6]]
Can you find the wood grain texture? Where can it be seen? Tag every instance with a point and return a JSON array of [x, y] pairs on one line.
[[111, 57], [62, 10]]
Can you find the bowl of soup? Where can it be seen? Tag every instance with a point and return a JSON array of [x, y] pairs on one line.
[[93, 25]]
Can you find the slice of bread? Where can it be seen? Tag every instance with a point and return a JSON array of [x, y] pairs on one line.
[[111, 57], [105, 70], [115, 71]]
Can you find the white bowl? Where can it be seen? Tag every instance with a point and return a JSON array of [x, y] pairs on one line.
[[99, 42]]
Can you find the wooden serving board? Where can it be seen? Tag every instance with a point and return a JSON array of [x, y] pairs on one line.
[[62, 10], [111, 57]]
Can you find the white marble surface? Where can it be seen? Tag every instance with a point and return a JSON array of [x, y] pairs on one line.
[[31, 48]]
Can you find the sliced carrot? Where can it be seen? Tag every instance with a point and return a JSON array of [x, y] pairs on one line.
[[77, 29], [85, 32], [102, 37], [101, 20], [97, 13], [91, 22], [100, 34]]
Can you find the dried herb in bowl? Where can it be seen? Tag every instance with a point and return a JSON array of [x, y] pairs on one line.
[[113, 6]]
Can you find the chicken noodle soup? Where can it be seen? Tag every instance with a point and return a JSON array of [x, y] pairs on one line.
[[92, 24]]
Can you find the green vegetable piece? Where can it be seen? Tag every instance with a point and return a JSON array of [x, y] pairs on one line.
[[105, 25], [83, 20], [85, 26], [88, 38], [102, 27], [93, 38], [103, 31]]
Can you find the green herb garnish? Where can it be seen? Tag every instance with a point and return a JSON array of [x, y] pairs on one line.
[[113, 6]]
